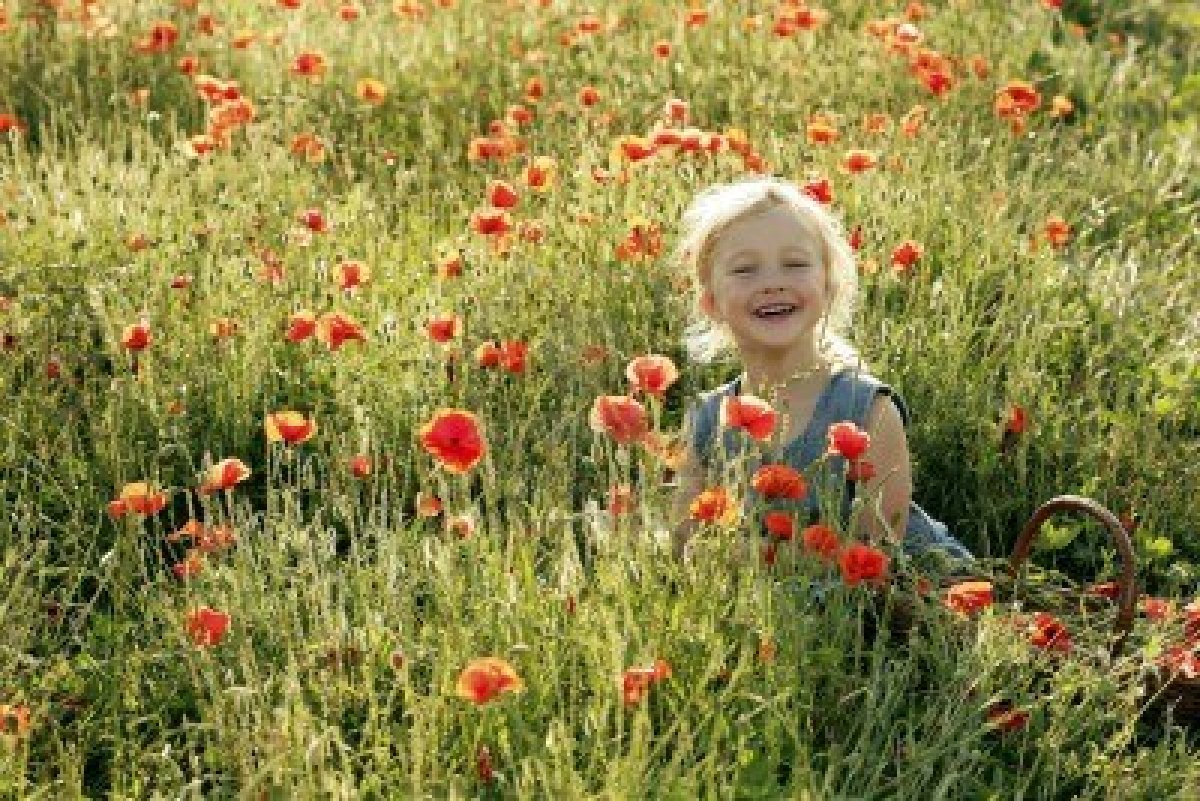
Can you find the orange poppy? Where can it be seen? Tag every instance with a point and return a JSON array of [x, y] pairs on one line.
[[860, 470], [621, 417], [636, 681], [753, 415], [370, 91], [861, 563], [314, 220], [223, 328], [822, 541], [14, 720], [820, 131], [713, 505], [1157, 609], [224, 475], [428, 505], [461, 526], [1016, 99], [487, 355], [819, 189], [541, 173], [140, 498], [848, 440], [485, 678], [968, 597], [651, 374], [335, 329], [1003, 717], [1058, 232], [192, 565], [620, 499], [207, 627], [454, 438], [288, 427], [781, 481]]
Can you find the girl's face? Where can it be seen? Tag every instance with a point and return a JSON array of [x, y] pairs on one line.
[[767, 282]]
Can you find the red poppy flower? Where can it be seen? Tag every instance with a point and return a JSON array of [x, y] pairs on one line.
[[589, 96], [224, 475], [491, 222], [820, 131], [10, 123], [968, 597], [1109, 589], [848, 440], [636, 681], [314, 220], [1157, 609], [754, 415], [351, 274], [207, 627], [288, 427], [1017, 420], [1181, 660], [444, 328], [779, 481], [485, 678], [1003, 717], [540, 173], [713, 506], [360, 465], [487, 354], [301, 326], [137, 337], [335, 329], [906, 254], [454, 438], [310, 64], [513, 353], [821, 541], [862, 563], [820, 190], [621, 417], [1058, 232], [1048, 633], [1016, 99], [651, 374], [1191, 622], [858, 161], [780, 525], [501, 195], [661, 49]]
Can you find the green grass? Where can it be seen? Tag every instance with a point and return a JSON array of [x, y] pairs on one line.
[[1098, 341]]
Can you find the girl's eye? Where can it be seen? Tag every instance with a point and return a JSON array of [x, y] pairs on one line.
[[796, 265], [744, 269]]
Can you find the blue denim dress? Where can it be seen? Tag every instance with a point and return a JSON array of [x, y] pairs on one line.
[[847, 396]]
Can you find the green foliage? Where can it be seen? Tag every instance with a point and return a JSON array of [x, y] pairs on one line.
[[352, 614]]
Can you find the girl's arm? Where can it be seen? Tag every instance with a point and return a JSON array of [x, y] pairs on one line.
[[888, 452]]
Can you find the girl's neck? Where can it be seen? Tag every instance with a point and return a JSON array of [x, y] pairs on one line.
[[766, 373]]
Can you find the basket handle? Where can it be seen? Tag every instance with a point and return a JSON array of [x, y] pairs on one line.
[[1119, 536]]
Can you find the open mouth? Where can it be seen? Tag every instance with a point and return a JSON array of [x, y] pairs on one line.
[[772, 311]]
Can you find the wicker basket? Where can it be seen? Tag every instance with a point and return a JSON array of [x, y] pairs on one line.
[[1179, 694]]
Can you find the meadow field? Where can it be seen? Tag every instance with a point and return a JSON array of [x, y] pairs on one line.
[[331, 465]]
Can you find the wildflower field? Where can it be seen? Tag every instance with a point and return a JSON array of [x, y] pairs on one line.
[[343, 367]]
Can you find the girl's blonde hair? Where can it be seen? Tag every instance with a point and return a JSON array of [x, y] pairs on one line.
[[714, 210]]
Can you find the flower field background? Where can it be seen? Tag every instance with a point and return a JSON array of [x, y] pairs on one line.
[[306, 307]]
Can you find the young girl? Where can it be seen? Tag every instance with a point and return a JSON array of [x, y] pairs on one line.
[[775, 280]]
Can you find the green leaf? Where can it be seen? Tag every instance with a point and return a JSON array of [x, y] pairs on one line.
[[1051, 537]]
